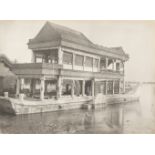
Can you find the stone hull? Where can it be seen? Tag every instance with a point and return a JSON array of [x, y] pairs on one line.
[[15, 106]]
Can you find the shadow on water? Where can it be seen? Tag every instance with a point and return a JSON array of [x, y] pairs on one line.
[[118, 118]]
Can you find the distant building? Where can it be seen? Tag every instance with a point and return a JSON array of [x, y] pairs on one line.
[[7, 77], [66, 63]]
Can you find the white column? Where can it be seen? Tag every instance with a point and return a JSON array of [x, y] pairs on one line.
[[60, 55], [42, 88], [59, 87], [113, 86], [22, 83], [83, 88], [72, 91]]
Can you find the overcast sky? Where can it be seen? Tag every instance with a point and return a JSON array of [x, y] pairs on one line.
[[136, 37]]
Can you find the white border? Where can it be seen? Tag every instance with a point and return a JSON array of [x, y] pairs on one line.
[[77, 144]]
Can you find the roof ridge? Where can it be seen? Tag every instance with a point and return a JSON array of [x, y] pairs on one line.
[[53, 25], [54, 28], [63, 27]]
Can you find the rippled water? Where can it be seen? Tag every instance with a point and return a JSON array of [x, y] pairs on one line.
[[119, 118]]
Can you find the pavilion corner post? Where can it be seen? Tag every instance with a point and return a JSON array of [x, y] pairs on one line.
[[72, 90], [59, 87], [42, 87], [60, 55]]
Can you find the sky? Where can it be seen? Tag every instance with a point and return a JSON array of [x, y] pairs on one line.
[[136, 37]]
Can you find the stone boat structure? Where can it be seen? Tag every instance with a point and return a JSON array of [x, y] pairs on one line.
[[67, 71]]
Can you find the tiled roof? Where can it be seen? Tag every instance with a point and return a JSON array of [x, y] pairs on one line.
[[55, 33]]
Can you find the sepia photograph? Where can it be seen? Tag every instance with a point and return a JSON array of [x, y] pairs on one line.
[[77, 77]]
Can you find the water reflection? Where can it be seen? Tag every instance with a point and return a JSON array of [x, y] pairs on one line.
[[108, 120], [118, 118]]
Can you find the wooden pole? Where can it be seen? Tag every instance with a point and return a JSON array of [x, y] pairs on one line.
[[42, 88]]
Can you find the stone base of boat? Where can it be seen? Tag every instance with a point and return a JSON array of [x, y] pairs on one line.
[[16, 106]]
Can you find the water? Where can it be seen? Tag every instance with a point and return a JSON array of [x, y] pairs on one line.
[[136, 117]]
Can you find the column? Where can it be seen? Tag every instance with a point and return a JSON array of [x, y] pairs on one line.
[[93, 87], [60, 55], [83, 88], [73, 63], [113, 86], [59, 87], [106, 63], [42, 88], [22, 83], [17, 86], [72, 91]]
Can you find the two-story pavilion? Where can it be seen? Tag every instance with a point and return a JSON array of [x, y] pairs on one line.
[[66, 63]]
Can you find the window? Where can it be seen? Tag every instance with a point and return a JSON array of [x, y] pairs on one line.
[[89, 62], [96, 62], [79, 60], [67, 58]]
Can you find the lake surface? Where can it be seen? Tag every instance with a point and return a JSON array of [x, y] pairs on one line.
[[136, 117]]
